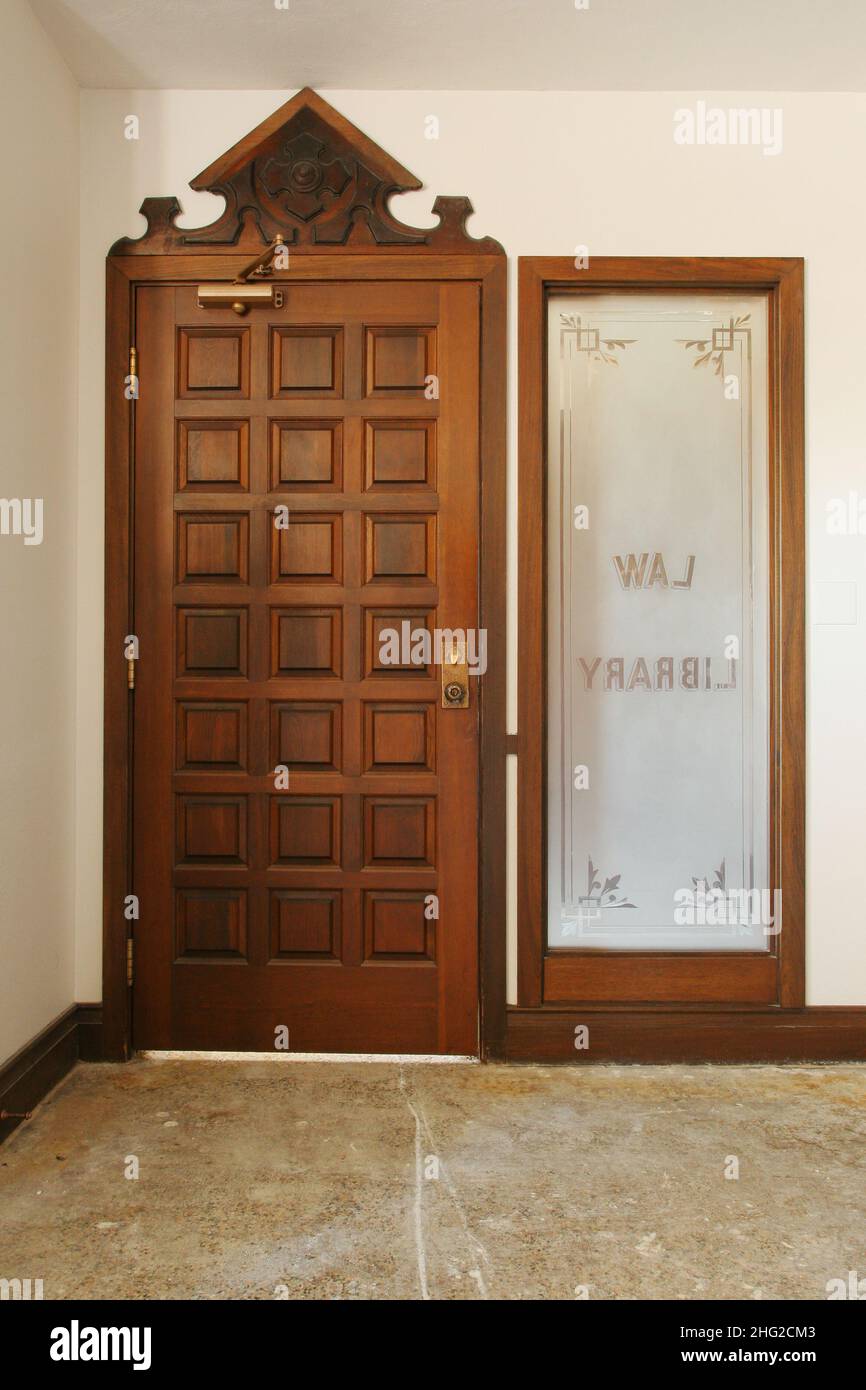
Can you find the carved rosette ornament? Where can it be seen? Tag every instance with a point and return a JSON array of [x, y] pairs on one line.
[[309, 175]]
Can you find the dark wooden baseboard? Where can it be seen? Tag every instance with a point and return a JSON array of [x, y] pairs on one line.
[[533, 1035], [90, 1032], [718, 1035], [37, 1067]]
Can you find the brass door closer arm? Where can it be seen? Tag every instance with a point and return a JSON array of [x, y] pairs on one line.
[[249, 287]]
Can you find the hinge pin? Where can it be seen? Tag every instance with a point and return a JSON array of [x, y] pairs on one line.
[[129, 969]]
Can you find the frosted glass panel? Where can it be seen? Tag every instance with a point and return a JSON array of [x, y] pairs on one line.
[[658, 639]]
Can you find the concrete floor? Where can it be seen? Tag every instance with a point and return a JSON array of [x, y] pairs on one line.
[[318, 1180]]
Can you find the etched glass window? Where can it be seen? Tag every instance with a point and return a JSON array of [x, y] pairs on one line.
[[658, 622]]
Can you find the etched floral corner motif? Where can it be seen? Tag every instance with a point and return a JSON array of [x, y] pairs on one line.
[[703, 885], [603, 893], [576, 336], [723, 338]]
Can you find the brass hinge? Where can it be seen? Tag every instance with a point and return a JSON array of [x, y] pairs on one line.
[[130, 673], [133, 361], [129, 961]]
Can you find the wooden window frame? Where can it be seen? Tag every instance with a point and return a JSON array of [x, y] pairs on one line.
[[637, 980]]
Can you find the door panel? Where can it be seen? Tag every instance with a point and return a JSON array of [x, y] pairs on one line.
[[305, 905]]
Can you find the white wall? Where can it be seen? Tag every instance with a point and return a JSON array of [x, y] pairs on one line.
[[38, 459], [545, 172]]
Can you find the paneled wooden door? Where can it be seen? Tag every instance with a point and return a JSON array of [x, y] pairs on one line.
[[306, 478]]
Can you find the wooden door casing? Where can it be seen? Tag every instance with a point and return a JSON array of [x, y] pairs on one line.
[[598, 981], [304, 907]]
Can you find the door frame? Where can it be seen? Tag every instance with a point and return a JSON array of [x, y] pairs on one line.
[[126, 272], [308, 177], [540, 1026]]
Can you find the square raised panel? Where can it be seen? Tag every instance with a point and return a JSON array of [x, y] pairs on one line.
[[211, 923], [400, 454], [305, 924], [212, 547], [305, 830], [399, 359], [398, 737], [211, 829], [306, 735], [211, 642], [213, 455], [306, 455], [394, 642], [395, 927], [211, 736], [306, 362], [306, 642], [400, 546], [399, 830], [308, 550], [213, 362]]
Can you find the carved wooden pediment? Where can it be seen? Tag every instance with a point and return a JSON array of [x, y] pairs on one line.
[[310, 175]]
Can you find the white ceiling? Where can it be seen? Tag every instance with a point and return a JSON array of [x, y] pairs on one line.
[[535, 45]]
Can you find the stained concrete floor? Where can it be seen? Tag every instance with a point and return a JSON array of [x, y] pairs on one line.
[[319, 1180]]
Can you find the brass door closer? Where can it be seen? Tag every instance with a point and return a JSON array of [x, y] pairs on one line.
[[248, 289]]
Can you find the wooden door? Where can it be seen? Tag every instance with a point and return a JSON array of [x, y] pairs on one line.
[[341, 907]]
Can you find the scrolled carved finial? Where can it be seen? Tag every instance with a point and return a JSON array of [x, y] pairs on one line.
[[453, 213]]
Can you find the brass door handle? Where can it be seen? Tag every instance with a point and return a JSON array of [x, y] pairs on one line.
[[455, 678]]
